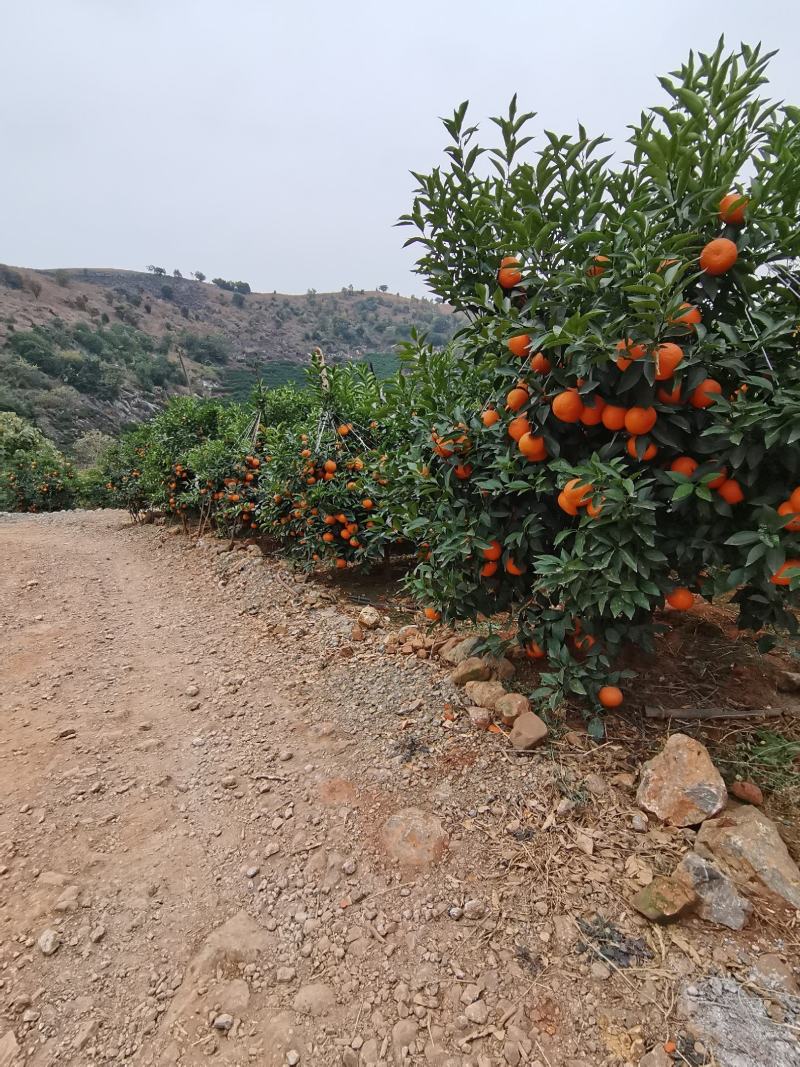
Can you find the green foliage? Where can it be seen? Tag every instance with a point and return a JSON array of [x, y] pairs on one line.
[[207, 349], [34, 476]]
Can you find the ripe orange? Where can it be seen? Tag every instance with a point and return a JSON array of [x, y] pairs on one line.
[[599, 266], [613, 417], [578, 492], [518, 346], [610, 696], [354, 542], [718, 256], [684, 465], [534, 651], [731, 491], [540, 363], [350, 486], [367, 504], [691, 316], [594, 511], [632, 351], [649, 453], [667, 396], [640, 420], [720, 478], [703, 395], [432, 614], [488, 569], [329, 465], [567, 406], [328, 538], [668, 356], [516, 398], [463, 471], [512, 568], [494, 551], [341, 563], [567, 504], [489, 417], [592, 414], [344, 429], [780, 577], [680, 598], [793, 523], [518, 427], [509, 274], [794, 499], [732, 208], [532, 448]]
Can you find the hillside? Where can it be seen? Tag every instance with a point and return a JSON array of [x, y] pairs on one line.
[[85, 349]]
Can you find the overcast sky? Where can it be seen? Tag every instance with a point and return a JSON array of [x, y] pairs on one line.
[[272, 142]]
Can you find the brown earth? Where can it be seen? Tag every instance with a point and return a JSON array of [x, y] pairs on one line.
[[247, 846]]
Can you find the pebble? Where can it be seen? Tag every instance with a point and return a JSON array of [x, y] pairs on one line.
[[49, 942], [223, 1022], [292, 1057], [192, 690]]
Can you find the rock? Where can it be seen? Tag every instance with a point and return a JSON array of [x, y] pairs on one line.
[[748, 846], [664, 900], [10, 1052], [747, 792], [477, 1012], [192, 690], [511, 706], [528, 731], [97, 933], [788, 682], [599, 971], [471, 669], [369, 618], [414, 837], [511, 1053], [292, 1057], [223, 1022], [474, 909], [735, 1026], [458, 649], [500, 667], [285, 974], [657, 1058], [404, 1034], [639, 823], [772, 972], [681, 785], [49, 942], [84, 1035], [314, 999], [233, 996], [485, 694], [596, 785], [479, 717], [719, 900], [68, 901]]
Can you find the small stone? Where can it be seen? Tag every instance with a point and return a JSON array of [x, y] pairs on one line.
[[511, 706], [600, 971], [480, 718], [68, 901], [747, 792], [477, 1012], [49, 942], [681, 785], [85, 1034], [314, 999], [285, 974], [97, 933], [485, 694], [292, 1057], [719, 900], [414, 838], [771, 971], [223, 1022], [369, 618], [528, 731], [228, 782], [251, 872], [472, 669], [657, 1058], [192, 690], [474, 909], [664, 900], [460, 649], [639, 823]]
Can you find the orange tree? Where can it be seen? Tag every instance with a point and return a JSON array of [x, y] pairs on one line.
[[322, 487], [631, 439]]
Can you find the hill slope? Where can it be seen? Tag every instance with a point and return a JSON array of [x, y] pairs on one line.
[[87, 349]]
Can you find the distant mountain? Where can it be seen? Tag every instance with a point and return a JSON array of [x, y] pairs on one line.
[[84, 349]]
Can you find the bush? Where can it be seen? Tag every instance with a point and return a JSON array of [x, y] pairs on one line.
[[34, 476], [660, 389], [207, 349]]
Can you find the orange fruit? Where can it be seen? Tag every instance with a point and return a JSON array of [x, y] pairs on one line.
[[488, 569], [367, 504], [354, 542], [432, 614], [794, 499], [519, 345], [489, 417], [632, 351], [509, 274], [512, 568], [567, 406], [463, 471], [577, 492], [494, 552], [793, 523], [592, 414], [669, 396], [684, 465], [640, 420], [327, 538], [594, 511], [598, 266], [718, 256], [668, 356], [703, 395], [532, 448], [719, 479], [540, 363], [567, 504], [732, 208], [610, 696], [613, 417], [731, 491], [649, 453], [680, 599], [516, 398], [518, 427], [341, 563], [329, 465], [534, 651], [691, 316], [780, 577]]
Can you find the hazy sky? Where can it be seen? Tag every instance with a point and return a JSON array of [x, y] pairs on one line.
[[272, 142]]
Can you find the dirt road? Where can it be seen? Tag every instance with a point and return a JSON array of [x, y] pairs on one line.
[[233, 828]]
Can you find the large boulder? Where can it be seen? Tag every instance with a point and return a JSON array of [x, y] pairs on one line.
[[748, 846], [719, 901], [681, 785]]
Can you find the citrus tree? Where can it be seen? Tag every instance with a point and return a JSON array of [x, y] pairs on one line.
[[628, 439], [34, 475]]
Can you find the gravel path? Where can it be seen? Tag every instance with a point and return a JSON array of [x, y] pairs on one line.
[[233, 827]]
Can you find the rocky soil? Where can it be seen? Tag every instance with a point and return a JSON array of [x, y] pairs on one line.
[[239, 826]]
